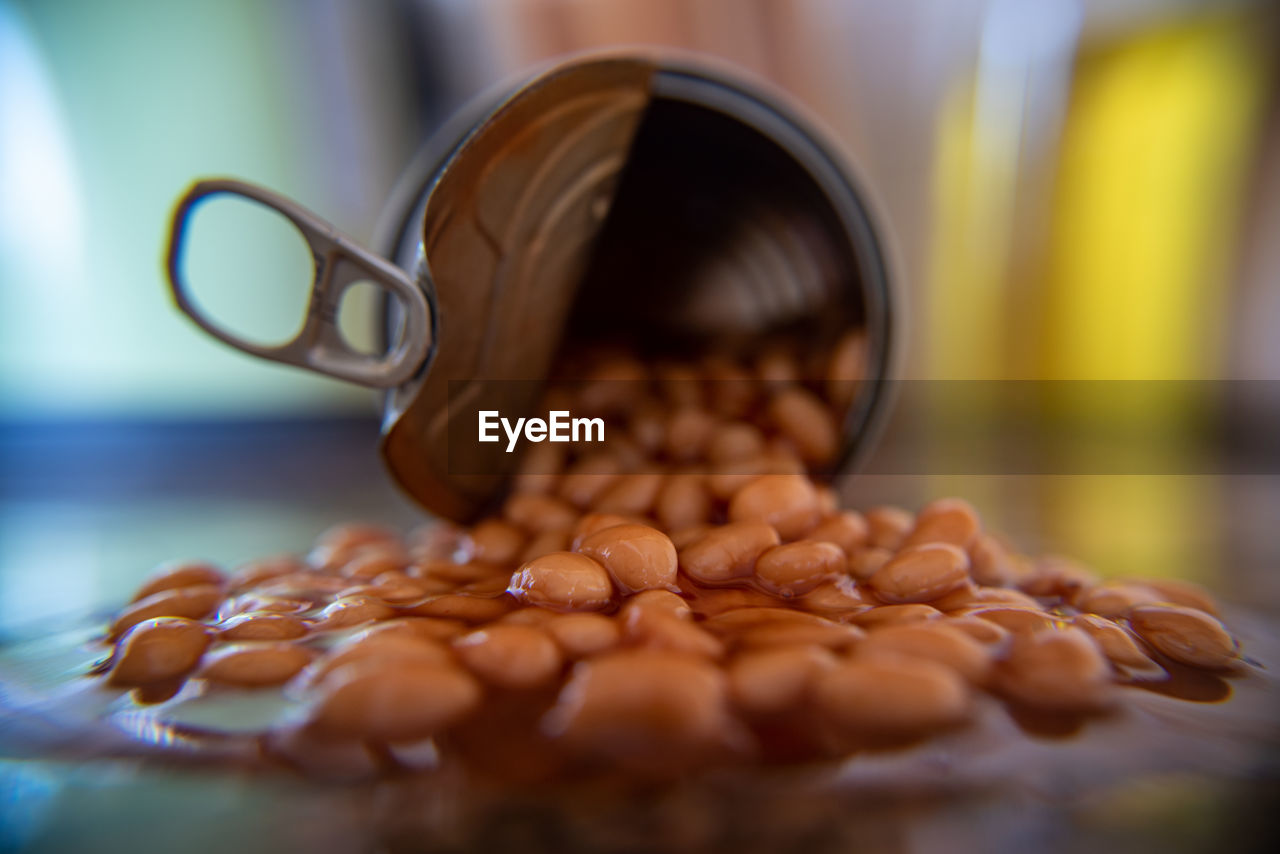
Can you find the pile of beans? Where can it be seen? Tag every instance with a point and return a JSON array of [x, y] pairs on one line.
[[682, 596]]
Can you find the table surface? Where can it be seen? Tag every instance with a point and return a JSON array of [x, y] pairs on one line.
[[86, 511]]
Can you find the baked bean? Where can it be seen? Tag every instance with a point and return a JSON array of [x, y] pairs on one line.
[[798, 567], [496, 542], [393, 701], [735, 441], [172, 576], [539, 513], [1114, 600], [835, 599], [727, 479], [935, 641], [1001, 596], [947, 520], [1120, 647], [585, 480], [303, 585], [157, 649], [592, 522], [370, 563], [642, 705], [749, 617], [782, 633], [728, 552], [777, 367], [989, 562], [807, 423], [689, 429], [462, 606], [682, 538], [654, 629], [194, 602], [887, 527], [921, 574], [891, 696], [1187, 635], [789, 503], [1057, 576], [1059, 670], [648, 428], [846, 369], [581, 635], [770, 681], [255, 664], [732, 389], [682, 502], [251, 602], [382, 648], [261, 626], [631, 494], [563, 581], [1179, 592], [961, 597], [345, 613], [336, 545], [658, 600], [983, 631], [1017, 619], [637, 557], [865, 563], [847, 529], [828, 502], [530, 616], [254, 572], [545, 543], [514, 657], [419, 628], [888, 615], [539, 469]]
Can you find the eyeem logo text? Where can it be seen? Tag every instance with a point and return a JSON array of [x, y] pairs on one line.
[[558, 427]]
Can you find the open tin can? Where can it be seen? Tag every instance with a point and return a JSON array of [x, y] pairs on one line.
[[607, 197]]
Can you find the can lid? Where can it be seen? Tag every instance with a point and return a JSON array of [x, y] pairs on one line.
[[506, 233]]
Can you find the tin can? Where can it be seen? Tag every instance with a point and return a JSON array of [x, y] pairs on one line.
[[600, 196]]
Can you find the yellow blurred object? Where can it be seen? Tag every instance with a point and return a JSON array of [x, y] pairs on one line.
[[1157, 145]]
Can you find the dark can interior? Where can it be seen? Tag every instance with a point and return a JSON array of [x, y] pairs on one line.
[[717, 234]]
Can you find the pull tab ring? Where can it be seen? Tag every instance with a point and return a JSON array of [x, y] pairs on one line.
[[339, 263]]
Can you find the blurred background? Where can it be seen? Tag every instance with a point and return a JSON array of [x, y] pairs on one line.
[[1072, 190]]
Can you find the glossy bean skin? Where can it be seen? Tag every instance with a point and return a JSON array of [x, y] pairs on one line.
[[735, 441], [637, 557], [865, 563], [177, 575], [255, 664], [582, 635], [773, 680], [921, 574], [642, 706], [788, 503], [887, 527], [798, 567], [254, 572], [351, 611], [513, 657], [536, 513], [654, 629], [807, 422], [496, 541], [989, 562], [934, 641], [157, 649], [1187, 635], [1114, 600], [384, 648], [262, 626], [1060, 670], [192, 602], [1176, 591], [947, 520], [846, 529], [592, 522], [728, 552], [1119, 646], [631, 495], [682, 502], [563, 581], [887, 615], [892, 696], [405, 701]]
